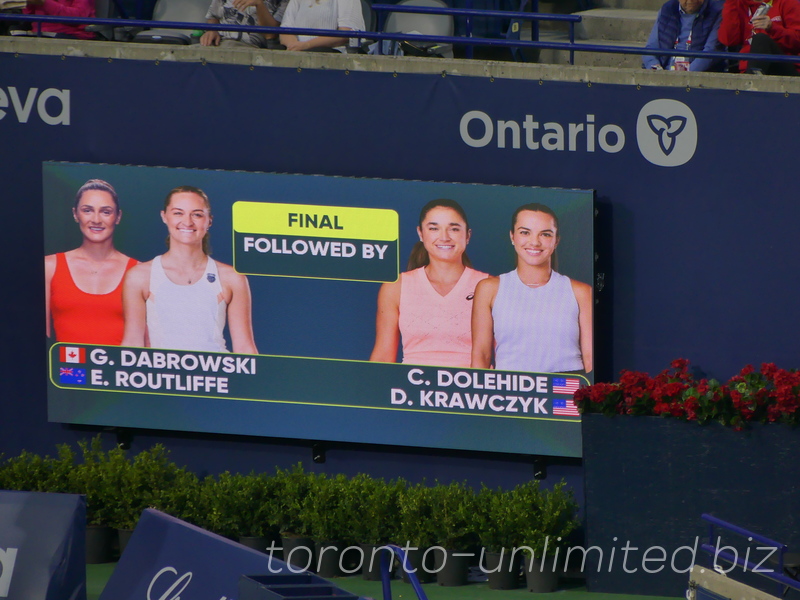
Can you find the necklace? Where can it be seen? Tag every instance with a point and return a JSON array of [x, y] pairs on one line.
[[196, 270], [536, 285]]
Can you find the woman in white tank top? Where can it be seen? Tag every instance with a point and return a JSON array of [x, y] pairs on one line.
[[533, 318], [182, 299]]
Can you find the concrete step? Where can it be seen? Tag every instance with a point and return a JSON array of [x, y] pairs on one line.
[[562, 7], [589, 59], [615, 24]]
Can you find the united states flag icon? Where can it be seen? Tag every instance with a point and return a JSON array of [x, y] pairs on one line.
[[565, 408], [565, 385]]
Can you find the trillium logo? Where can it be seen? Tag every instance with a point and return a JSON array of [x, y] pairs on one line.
[[666, 132]]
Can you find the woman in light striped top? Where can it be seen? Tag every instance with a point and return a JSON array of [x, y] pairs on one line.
[[533, 318]]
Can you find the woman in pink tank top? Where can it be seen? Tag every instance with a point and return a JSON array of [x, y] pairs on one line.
[[83, 287], [429, 306]]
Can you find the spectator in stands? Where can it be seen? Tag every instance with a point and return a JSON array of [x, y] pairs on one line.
[[763, 28], [267, 13], [62, 8], [685, 25], [345, 15]]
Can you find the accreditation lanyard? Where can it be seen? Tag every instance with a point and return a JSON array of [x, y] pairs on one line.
[[688, 39]]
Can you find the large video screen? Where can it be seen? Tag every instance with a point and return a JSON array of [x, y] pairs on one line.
[[318, 308]]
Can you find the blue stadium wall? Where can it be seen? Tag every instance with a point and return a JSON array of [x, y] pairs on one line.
[[699, 257]]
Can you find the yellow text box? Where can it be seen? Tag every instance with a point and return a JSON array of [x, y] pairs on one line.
[[308, 220]]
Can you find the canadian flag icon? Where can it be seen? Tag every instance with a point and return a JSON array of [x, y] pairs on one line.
[[72, 354]]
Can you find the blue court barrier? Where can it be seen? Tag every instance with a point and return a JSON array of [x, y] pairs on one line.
[[169, 558], [42, 546]]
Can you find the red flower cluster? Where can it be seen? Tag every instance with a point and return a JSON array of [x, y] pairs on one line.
[[768, 395]]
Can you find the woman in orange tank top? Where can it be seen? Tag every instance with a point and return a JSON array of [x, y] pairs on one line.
[[83, 287]]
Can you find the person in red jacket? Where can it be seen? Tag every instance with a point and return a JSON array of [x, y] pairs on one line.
[[763, 28], [62, 8]]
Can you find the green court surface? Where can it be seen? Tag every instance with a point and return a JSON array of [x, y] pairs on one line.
[[97, 576]]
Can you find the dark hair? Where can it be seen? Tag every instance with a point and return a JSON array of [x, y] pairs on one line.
[[100, 185], [542, 208], [419, 255], [190, 189]]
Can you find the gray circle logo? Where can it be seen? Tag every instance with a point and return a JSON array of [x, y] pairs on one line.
[[666, 132]]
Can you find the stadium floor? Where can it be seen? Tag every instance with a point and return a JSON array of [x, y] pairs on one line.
[[97, 576]]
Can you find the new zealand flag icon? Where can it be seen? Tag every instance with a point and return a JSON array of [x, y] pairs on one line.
[[72, 376]]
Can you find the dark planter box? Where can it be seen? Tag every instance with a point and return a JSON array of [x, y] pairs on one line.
[[648, 480]]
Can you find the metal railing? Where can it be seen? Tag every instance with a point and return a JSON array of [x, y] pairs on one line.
[[471, 13], [716, 552], [386, 573], [571, 46]]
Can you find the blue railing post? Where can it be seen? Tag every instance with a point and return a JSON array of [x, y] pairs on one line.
[[572, 43], [381, 24], [535, 23], [468, 23], [713, 549], [386, 575]]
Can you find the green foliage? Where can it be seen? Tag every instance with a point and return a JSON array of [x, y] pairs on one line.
[[500, 519], [258, 500], [377, 504], [93, 478], [331, 508], [218, 499], [453, 514], [416, 517], [118, 476], [235, 505], [144, 482], [116, 488], [30, 472], [61, 473], [291, 488], [326, 512], [552, 517], [26, 472], [526, 516], [182, 498]]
